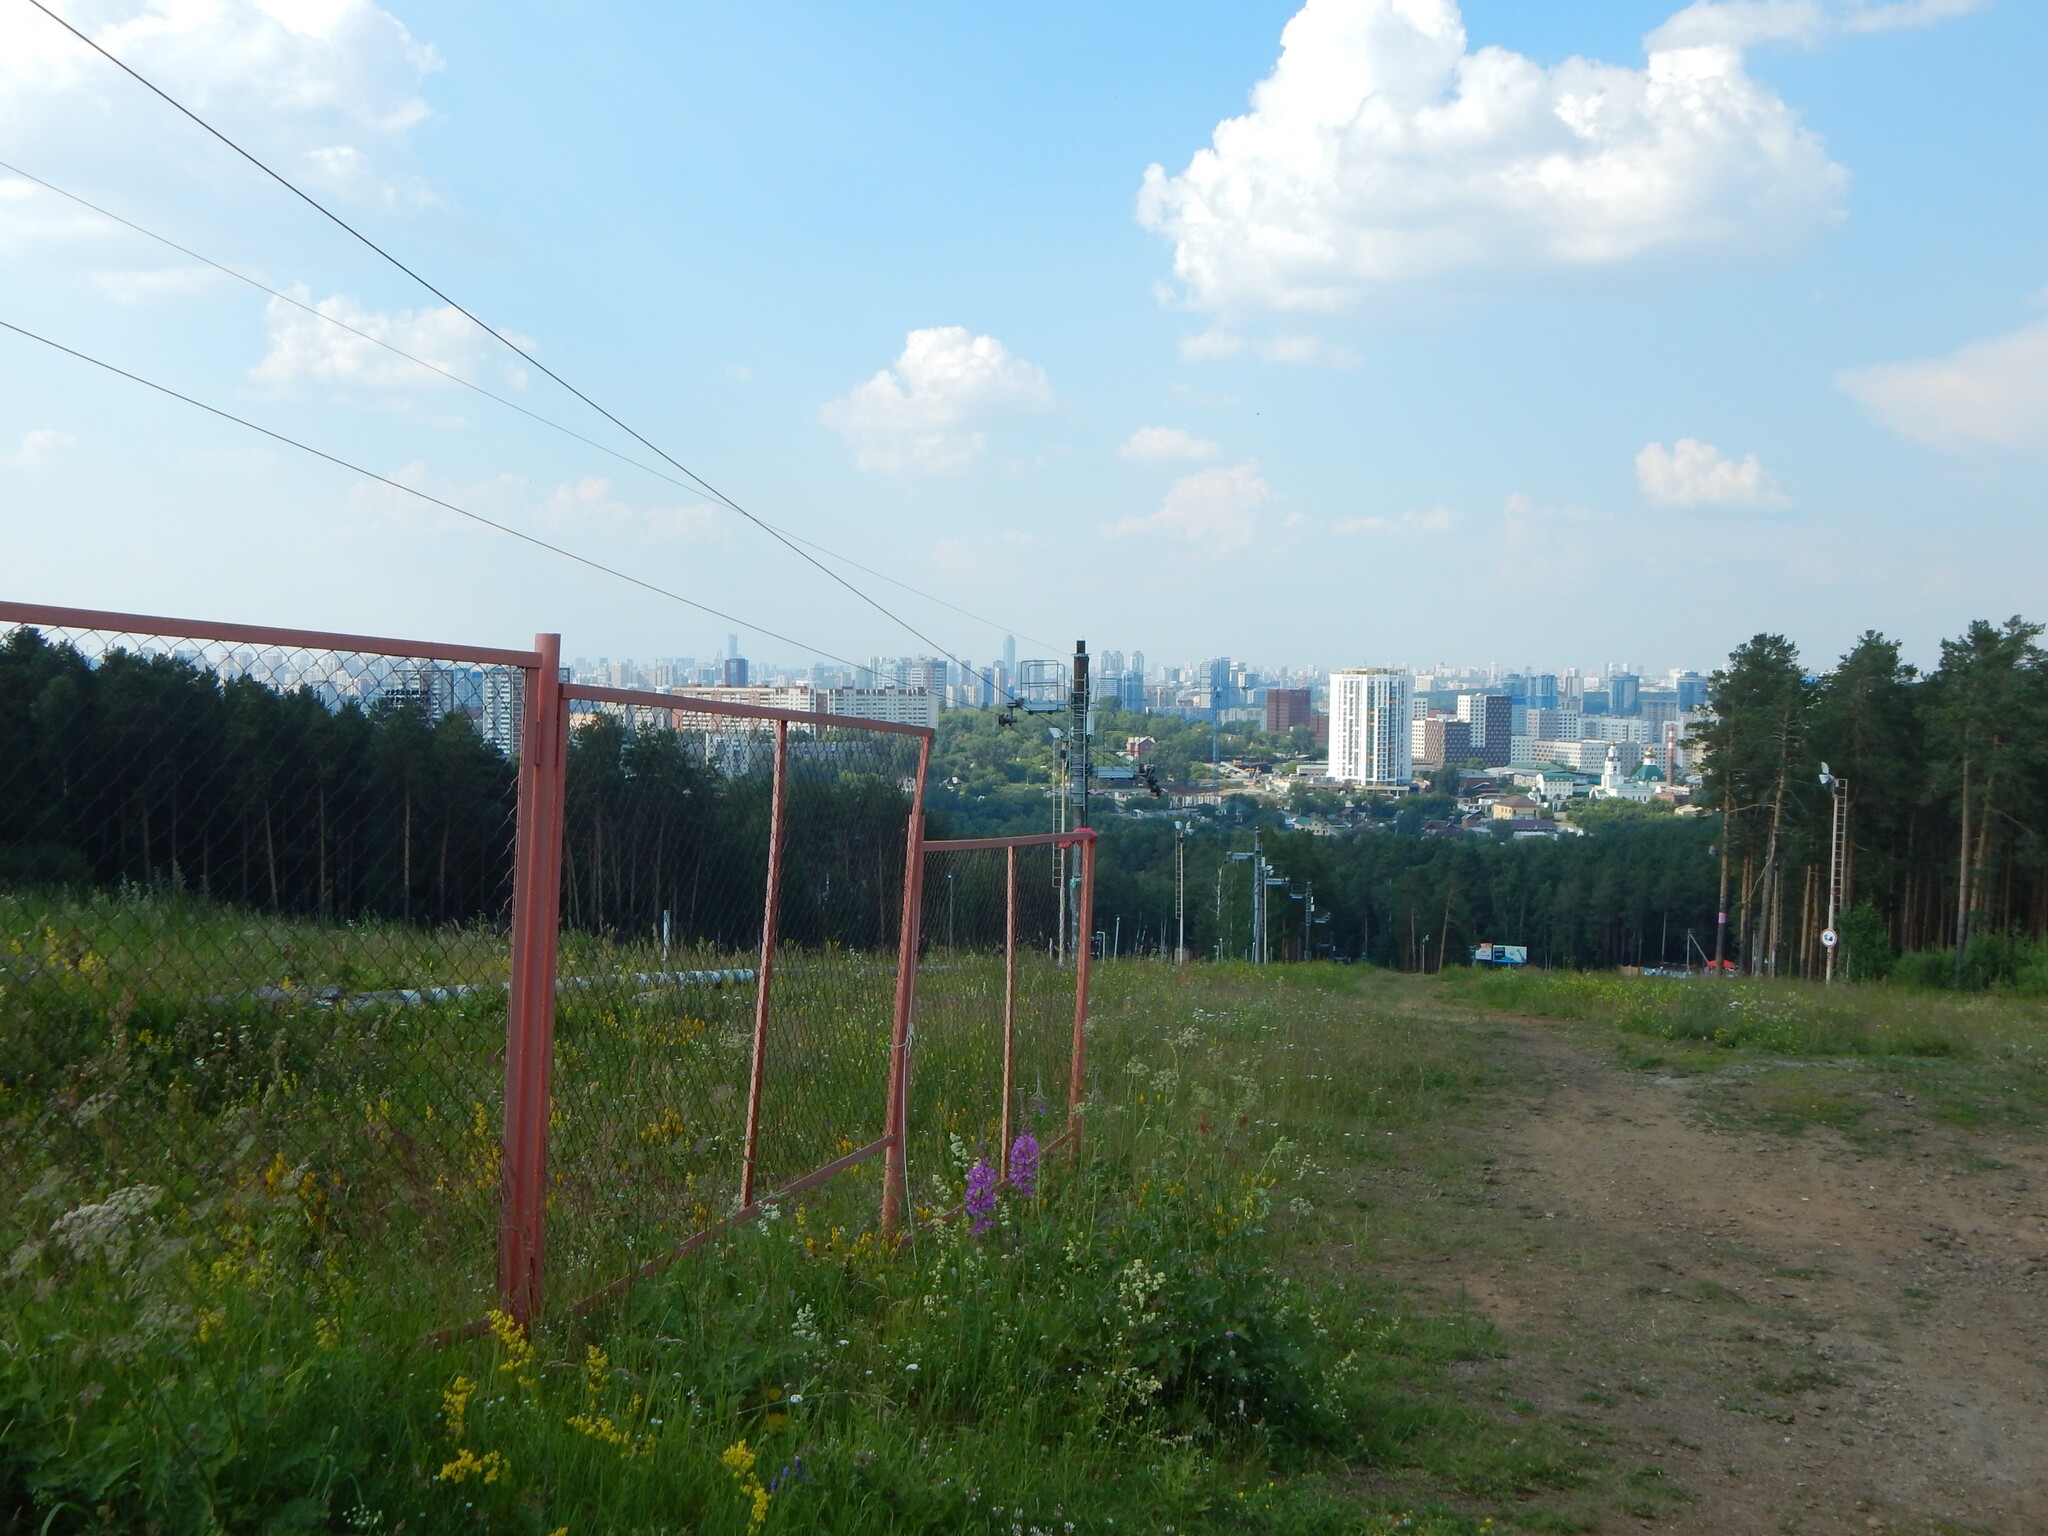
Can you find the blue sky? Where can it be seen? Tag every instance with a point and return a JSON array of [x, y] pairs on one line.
[[1502, 333]]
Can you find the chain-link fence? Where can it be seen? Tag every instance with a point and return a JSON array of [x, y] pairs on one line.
[[383, 958], [995, 1039], [253, 961], [732, 910]]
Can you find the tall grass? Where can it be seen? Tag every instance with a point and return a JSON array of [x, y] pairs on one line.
[[1790, 1018], [221, 1267]]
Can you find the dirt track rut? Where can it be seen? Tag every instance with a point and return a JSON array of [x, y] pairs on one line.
[[1801, 1336]]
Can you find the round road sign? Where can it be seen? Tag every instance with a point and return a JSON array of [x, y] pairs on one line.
[[1829, 937]]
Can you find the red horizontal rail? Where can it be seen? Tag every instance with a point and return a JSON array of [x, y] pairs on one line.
[[745, 1213], [1029, 840], [257, 634], [692, 704]]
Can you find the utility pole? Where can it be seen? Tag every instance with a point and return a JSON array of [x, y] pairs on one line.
[[1838, 850], [1072, 808], [1258, 899], [1180, 891]]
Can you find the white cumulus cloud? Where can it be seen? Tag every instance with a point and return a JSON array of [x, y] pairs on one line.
[[591, 503], [334, 85], [1989, 393], [1691, 473], [1438, 519], [926, 410], [36, 447], [1383, 151], [1740, 23], [1151, 445], [1212, 509], [306, 349]]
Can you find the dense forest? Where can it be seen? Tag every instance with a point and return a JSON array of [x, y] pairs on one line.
[[153, 771], [1944, 777]]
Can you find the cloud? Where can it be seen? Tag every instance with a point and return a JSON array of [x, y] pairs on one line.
[[1438, 519], [1741, 23], [1210, 345], [1213, 509], [1307, 349], [305, 349], [1382, 152], [145, 285], [1543, 546], [334, 84], [590, 504], [924, 411], [1989, 393], [1151, 445], [36, 447], [1691, 473]]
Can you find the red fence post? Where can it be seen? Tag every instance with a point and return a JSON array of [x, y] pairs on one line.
[[894, 1189], [771, 906], [1085, 954], [1009, 1006], [530, 1003]]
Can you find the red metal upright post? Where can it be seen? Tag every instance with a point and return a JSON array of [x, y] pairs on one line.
[[530, 1004], [771, 906], [896, 1132], [1009, 1006], [1084, 954]]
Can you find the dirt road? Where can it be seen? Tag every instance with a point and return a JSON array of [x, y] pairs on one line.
[[1801, 1335]]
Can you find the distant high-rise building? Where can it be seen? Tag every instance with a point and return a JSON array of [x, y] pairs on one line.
[[1370, 720], [735, 671], [1222, 689], [1624, 693], [1438, 739], [1286, 708], [1009, 655], [1692, 692], [1490, 717], [1137, 665], [504, 693]]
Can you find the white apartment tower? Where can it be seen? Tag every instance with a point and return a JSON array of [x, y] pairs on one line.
[[1371, 710]]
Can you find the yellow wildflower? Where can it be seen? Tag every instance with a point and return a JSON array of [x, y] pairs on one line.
[[455, 1404], [487, 1468]]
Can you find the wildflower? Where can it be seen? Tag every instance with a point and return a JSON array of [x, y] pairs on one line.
[[488, 1467], [1024, 1165], [981, 1196], [805, 1329], [515, 1345], [455, 1404], [738, 1459]]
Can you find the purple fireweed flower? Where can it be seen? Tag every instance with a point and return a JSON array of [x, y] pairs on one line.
[[981, 1196], [1024, 1165]]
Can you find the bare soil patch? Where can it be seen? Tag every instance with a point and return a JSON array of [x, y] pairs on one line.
[[1789, 1332]]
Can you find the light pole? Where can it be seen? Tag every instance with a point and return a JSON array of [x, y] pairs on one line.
[[1838, 846]]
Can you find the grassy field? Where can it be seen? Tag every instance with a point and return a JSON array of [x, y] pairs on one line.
[[1200, 1325]]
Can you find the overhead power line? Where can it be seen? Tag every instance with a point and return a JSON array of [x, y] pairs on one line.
[[500, 337], [399, 485], [469, 384]]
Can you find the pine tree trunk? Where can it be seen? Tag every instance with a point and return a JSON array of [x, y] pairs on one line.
[[1963, 875]]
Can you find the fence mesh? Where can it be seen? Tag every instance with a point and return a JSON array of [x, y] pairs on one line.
[[256, 906], [670, 810], [956, 1087], [253, 955]]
